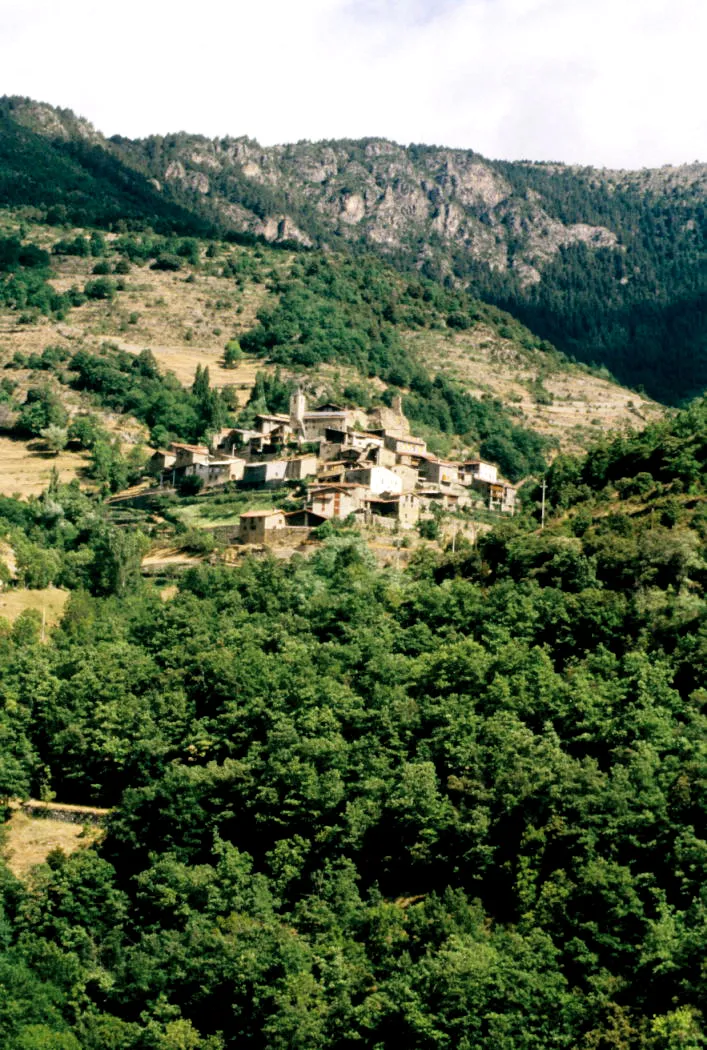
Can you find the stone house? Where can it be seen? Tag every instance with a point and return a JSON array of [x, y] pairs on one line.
[[408, 475], [161, 460], [438, 471], [331, 417], [477, 470], [301, 467], [267, 424], [334, 500], [498, 495], [187, 455], [211, 472], [404, 444], [233, 439], [376, 479], [218, 471], [450, 498], [403, 509], [268, 474], [257, 526], [333, 473], [233, 467], [312, 425]]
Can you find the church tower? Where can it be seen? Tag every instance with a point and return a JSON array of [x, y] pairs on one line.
[[298, 407]]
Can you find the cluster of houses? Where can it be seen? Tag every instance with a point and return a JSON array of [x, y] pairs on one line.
[[353, 463]]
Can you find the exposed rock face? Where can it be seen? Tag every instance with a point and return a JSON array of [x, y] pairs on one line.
[[430, 203], [283, 229], [54, 123], [353, 208], [373, 191], [382, 193], [195, 180]]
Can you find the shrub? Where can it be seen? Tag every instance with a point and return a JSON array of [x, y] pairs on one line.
[[41, 409], [190, 485], [55, 437], [102, 288], [167, 262]]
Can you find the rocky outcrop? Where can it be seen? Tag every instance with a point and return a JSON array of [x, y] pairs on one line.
[[375, 191], [283, 229], [432, 204]]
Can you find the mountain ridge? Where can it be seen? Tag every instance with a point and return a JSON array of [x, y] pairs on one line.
[[610, 266]]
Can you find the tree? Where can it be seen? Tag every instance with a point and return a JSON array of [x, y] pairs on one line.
[[42, 409], [86, 429], [233, 354], [108, 465], [118, 555], [56, 438]]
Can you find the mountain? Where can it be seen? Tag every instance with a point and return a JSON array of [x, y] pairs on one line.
[[73, 178], [607, 265]]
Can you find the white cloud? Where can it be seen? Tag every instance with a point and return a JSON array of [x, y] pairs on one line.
[[608, 82]]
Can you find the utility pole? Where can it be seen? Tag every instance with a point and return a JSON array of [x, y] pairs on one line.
[[542, 507]]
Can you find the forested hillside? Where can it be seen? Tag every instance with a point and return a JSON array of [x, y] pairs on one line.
[[75, 180], [461, 806], [639, 306]]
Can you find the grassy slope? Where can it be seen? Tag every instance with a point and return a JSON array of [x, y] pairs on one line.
[[185, 318]]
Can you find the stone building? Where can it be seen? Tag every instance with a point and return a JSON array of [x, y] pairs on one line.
[[376, 479], [257, 526]]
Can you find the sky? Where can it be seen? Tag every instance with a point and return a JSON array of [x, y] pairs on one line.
[[611, 83]]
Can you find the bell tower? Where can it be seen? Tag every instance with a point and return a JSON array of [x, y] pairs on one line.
[[298, 407]]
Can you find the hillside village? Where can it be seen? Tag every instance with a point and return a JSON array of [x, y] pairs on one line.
[[351, 463]]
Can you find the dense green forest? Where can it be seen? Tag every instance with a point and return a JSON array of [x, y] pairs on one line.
[[79, 183], [456, 807]]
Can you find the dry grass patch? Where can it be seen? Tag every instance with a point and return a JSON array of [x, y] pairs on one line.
[[28, 841], [487, 364], [184, 322], [25, 471], [49, 601], [183, 362], [169, 556], [164, 309]]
